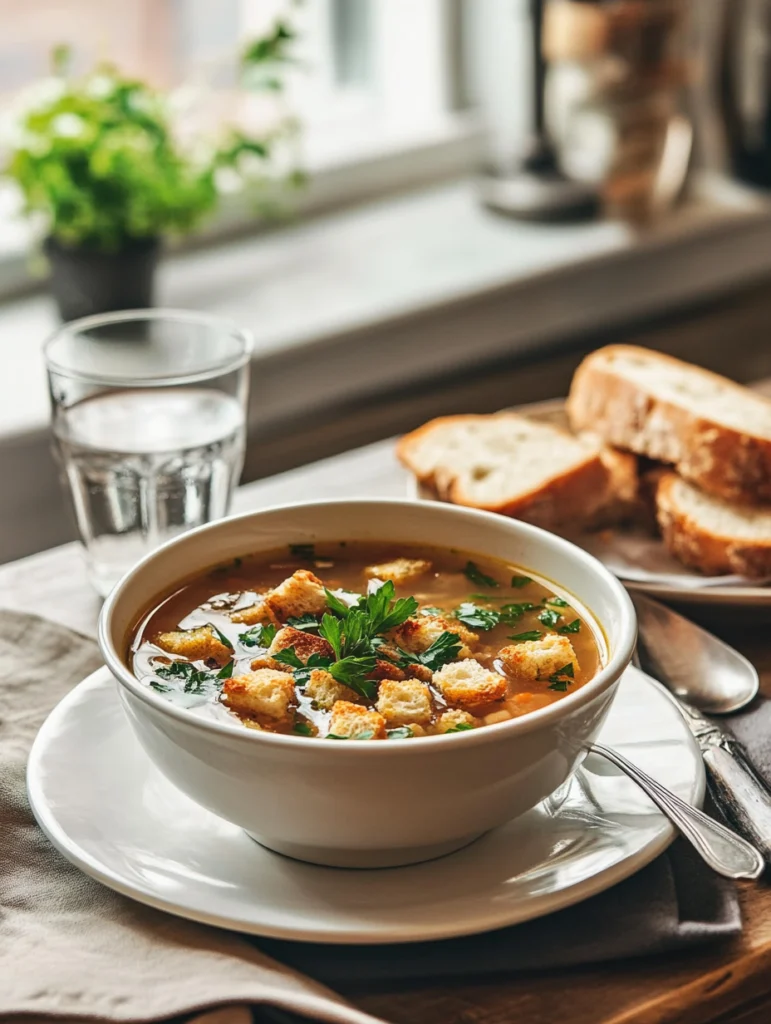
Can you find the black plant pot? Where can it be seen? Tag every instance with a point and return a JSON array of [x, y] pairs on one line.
[[85, 281]]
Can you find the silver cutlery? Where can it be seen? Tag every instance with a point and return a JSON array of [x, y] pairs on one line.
[[704, 674], [725, 852]]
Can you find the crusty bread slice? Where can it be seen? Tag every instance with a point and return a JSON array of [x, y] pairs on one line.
[[506, 463], [715, 432], [710, 534]]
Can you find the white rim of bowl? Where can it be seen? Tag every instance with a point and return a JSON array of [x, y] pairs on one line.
[[617, 661]]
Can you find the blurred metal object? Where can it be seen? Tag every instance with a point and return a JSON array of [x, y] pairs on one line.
[[615, 96], [537, 189]]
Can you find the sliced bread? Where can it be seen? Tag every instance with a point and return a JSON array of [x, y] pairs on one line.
[[710, 534], [509, 464], [715, 432]]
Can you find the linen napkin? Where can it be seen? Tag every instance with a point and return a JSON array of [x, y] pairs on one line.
[[72, 949]]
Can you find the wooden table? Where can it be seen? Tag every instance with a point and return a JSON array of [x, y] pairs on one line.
[[728, 984]]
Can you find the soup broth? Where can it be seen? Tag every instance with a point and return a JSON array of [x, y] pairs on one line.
[[357, 640]]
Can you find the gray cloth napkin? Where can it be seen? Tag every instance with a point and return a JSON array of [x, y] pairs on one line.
[[70, 947]]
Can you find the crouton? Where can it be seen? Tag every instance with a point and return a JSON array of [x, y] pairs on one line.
[[195, 644], [404, 702], [354, 722], [263, 692], [259, 613], [305, 644], [538, 659], [468, 683], [386, 670], [400, 570], [324, 690], [450, 720], [271, 663], [300, 594], [417, 634]]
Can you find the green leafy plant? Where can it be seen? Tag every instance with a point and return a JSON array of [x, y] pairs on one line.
[[99, 160]]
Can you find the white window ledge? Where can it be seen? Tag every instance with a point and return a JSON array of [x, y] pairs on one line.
[[397, 292]]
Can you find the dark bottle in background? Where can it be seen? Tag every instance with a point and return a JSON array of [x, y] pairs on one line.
[[745, 89]]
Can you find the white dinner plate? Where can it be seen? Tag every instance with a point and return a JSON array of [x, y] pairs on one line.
[[642, 562], [108, 810]]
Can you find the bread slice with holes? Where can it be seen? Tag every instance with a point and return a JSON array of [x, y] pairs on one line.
[[509, 464], [716, 433], [711, 535]]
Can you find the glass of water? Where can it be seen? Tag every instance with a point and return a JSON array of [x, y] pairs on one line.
[[149, 425]]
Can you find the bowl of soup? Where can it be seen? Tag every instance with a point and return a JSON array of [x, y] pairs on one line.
[[367, 683]]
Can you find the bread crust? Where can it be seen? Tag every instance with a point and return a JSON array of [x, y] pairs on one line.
[[719, 459], [700, 548], [567, 500]]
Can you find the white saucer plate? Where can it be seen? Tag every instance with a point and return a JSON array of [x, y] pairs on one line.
[[108, 810]]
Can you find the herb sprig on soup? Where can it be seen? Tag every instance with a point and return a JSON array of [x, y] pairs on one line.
[[365, 642]]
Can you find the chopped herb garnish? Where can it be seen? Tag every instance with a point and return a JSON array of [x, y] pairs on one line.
[[520, 581], [308, 623], [302, 729], [334, 736], [288, 657], [160, 687], [221, 636], [258, 636], [307, 552], [226, 672], [460, 727], [367, 735], [549, 617], [430, 609], [194, 680], [336, 605], [353, 672], [530, 634], [478, 578], [444, 649], [571, 627], [556, 602], [512, 613], [402, 733], [561, 678], [477, 618]]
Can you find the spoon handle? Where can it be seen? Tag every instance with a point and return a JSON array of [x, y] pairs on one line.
[[739, 792], [724, 851]]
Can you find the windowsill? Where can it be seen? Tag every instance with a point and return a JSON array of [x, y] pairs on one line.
[[391, 292]]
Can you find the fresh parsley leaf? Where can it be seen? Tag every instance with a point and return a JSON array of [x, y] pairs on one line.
[[334, 736], [160, 687], [302, 729], [226, 672], [556, 602], [221, 636], [549, 617], [460, 727], [478, 578], [367, 735], [512, 613], [353, 672], [561, 678], [288, 657], [530, 634], [571, 627], [340, 608], [315, 661], [384, 611], [331, 630], [308, 623], [444, 649], [430, 609], [194, 680], [307, 552], [402, 733], [477, 618], [520, 581], [258, 636]]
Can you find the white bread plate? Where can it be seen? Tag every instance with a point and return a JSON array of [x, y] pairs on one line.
[[640, 560], [369, 804]]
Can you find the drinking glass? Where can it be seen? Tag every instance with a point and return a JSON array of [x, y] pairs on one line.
[[149, 427]]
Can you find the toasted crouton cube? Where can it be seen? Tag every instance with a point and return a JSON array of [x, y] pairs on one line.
[[271, 663], [324, 690], [300, 594], [195, 644], [404, 702], [259, 613], [305, 644], [452, 719], [469, 684], [417, 634], [539, 659], [401, 570], [386, 670], [263, 692], [354, 722]]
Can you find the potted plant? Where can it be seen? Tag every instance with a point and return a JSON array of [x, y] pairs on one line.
[[102, 166]]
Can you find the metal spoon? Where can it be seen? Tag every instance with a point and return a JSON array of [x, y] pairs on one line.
[[724, 851], [694, 665]]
